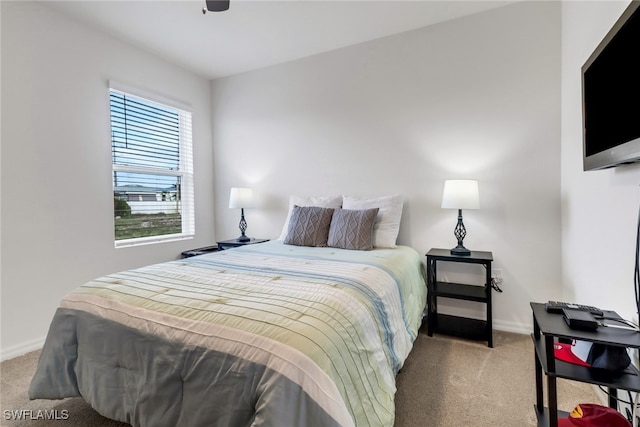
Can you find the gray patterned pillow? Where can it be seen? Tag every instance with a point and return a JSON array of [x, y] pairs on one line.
[[352, 229], [309, 226]]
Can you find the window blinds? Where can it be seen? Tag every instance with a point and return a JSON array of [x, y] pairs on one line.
[[152, 169], [143, 133]]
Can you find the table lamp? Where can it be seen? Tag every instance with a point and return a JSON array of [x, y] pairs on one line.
[[460, 194], [241, 198]]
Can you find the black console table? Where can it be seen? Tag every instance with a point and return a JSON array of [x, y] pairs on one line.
[[548, 328], [454, 325]]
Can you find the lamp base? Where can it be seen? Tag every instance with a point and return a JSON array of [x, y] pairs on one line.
[[243, 227], [460, 232], [460, 251]]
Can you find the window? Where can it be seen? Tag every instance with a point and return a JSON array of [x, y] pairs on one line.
[[152, 170]]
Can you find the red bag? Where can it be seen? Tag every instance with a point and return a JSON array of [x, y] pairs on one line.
[[592, 415]]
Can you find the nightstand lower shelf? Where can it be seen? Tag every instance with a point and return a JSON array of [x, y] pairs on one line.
[[462, 327]]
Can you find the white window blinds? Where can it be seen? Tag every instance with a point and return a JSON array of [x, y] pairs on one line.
[[152, 170]]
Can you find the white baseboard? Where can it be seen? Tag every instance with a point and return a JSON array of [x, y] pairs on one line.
[[517, 328], [21, 349]]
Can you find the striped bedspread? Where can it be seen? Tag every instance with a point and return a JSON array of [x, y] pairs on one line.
[[268, 334]]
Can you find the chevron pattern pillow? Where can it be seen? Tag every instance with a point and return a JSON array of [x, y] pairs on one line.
[[352, 229], [309, 226]]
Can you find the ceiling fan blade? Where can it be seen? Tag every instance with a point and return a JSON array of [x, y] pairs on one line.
[[217, 5]]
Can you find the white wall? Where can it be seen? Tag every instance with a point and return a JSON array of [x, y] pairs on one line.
[[57, 203], [477, 97], [599, 208]]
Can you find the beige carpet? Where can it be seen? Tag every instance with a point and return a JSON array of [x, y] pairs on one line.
[[446, 382], [452, 382]]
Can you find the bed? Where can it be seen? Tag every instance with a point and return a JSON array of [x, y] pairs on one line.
[[271, 334]]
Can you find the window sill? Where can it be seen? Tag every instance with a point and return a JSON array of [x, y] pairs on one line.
[[152, 240]]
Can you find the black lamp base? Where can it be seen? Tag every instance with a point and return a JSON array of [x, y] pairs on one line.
[[243, 227], [460, 232], [460, 251]]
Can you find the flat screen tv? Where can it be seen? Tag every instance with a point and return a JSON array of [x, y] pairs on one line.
[[611, 96]]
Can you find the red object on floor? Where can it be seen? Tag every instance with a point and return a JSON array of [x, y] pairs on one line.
[[592, 415]]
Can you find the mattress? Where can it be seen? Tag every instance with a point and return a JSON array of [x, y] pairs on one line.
[[268, 334]]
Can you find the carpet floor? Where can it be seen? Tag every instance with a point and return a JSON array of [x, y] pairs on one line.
[[445, 382]]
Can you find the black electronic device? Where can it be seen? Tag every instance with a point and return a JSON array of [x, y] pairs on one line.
[[558, 307], [580, 319], [610, 96]]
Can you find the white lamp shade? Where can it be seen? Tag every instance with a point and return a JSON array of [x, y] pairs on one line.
[[241, 198], [460, 194]]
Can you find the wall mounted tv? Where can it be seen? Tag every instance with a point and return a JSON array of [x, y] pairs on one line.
[[611, 96]]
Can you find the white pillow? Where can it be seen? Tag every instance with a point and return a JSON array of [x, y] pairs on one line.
[[387, 225], [323, 202]]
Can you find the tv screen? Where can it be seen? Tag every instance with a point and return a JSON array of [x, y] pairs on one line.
[[611, 96]]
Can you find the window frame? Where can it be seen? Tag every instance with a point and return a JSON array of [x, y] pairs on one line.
[[184, 172]]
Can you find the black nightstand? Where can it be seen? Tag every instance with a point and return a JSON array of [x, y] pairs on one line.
[[233, 243], [199, 251], [454, 325]]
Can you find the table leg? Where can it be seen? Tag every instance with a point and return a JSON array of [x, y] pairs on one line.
[[552, 390], [489, 309]]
